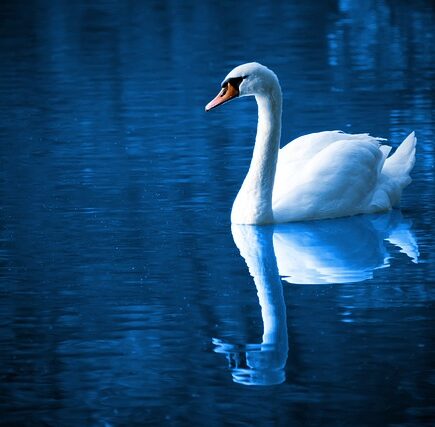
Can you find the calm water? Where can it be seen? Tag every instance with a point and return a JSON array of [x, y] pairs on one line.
[[126, 298]]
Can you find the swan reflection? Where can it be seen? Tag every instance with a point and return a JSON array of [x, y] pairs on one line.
[[344, 250]]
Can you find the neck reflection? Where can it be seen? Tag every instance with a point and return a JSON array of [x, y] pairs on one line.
[[260, 364]]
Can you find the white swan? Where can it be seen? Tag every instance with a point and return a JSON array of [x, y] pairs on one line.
[[321, 175]]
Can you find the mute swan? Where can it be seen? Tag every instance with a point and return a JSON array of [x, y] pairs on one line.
[[321, 175]]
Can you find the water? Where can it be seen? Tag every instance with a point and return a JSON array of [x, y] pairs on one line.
[[124, 298]]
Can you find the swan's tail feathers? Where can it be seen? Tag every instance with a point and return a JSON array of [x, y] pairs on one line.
[[400, 164], [397, 168]]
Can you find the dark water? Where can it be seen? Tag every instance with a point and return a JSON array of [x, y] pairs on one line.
[[124, 299]]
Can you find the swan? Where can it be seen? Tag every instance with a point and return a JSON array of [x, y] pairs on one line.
[[321, 175]]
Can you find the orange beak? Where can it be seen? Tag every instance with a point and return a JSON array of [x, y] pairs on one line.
[[227, 93]]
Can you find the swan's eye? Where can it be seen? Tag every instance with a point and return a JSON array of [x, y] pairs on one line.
[[234, 82]]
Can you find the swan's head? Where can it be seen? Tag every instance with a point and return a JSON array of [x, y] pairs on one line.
[[245, 80]]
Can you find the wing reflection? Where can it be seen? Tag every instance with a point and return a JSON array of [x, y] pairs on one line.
[[343, 250]]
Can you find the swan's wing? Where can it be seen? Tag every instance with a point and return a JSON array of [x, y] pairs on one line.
[[306, 147], [326, 175]]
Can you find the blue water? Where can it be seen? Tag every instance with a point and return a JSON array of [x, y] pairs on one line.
[[126, 297]]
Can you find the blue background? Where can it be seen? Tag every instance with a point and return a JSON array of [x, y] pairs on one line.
[[118, 265]]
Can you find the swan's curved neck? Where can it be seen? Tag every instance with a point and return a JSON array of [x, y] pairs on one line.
[[253, 204]]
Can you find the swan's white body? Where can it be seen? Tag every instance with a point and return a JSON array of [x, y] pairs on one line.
[[321, 175], [334, 174]]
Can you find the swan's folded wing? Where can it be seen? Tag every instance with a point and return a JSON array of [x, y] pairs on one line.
[[335, 180], [306, 147]]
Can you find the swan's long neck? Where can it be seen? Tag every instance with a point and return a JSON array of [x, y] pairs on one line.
[[253, 204]]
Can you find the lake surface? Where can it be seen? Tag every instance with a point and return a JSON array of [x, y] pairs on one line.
[[126, 297]]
